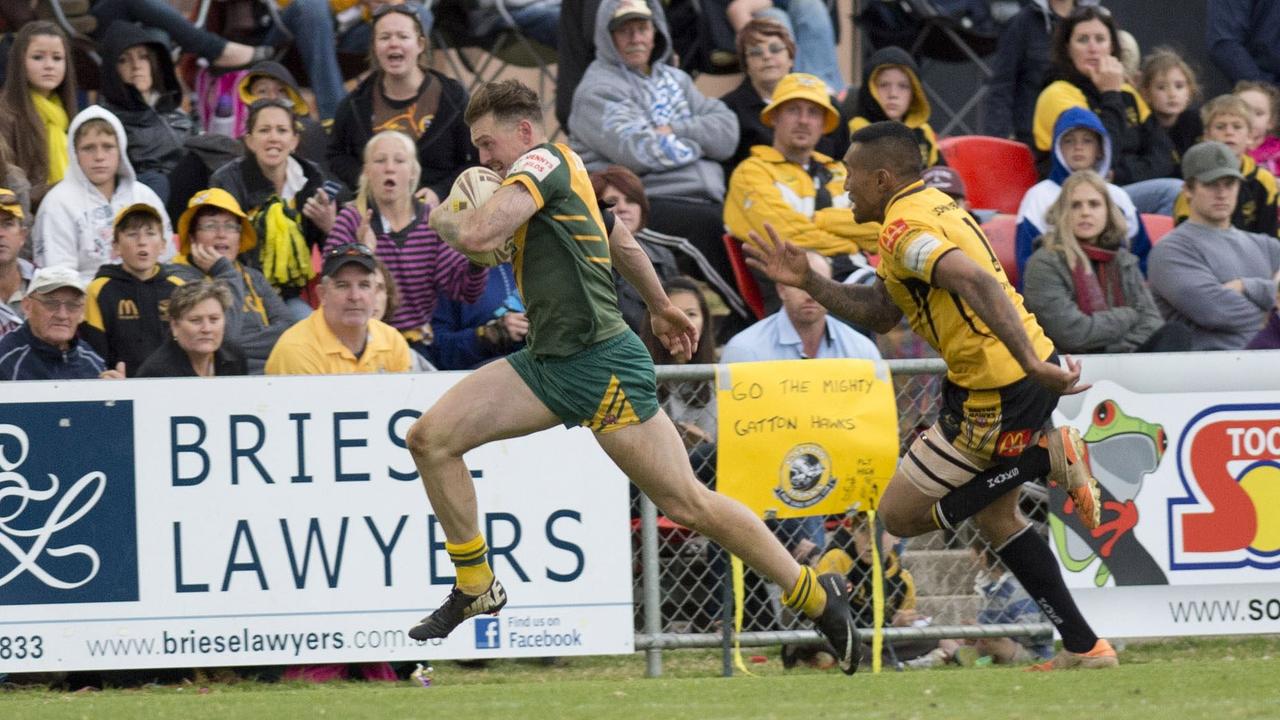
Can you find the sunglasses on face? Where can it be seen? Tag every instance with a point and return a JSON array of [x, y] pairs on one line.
[[408, 9], [349, 250], [266, 102], [1082, 10]]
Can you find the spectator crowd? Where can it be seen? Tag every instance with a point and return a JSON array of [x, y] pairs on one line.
[[218, 217]]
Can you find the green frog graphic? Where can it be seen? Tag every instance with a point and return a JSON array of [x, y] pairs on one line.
[[1122, 450]]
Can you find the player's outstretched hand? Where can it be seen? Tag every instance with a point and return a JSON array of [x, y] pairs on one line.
[[1059, 380], [777, 258], [676, 332]]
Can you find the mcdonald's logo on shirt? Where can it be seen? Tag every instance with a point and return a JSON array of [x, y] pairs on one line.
[[127, 309]]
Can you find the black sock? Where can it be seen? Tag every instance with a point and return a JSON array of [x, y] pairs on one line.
[[1029, 559], [965, 501]]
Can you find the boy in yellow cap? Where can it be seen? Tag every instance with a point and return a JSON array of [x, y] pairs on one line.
[[126, 309]]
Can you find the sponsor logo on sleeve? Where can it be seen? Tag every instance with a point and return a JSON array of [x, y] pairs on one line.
[[539, 162], [892, 233]]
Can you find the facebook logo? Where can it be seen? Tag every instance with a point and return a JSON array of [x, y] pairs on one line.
[[487, 637]]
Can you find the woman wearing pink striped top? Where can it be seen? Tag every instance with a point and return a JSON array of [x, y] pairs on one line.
[[387, 218]]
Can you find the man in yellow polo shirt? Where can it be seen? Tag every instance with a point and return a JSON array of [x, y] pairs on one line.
[[342, 337]]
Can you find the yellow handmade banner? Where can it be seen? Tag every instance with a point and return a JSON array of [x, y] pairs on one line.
[[806, 437]]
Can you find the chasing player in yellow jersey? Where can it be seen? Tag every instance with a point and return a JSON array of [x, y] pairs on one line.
[[1003, 377]]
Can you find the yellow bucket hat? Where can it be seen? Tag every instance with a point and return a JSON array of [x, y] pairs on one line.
[[223, 200], [802, 86], [9, 203]]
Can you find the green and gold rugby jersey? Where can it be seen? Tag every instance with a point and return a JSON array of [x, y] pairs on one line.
[[562, 255]]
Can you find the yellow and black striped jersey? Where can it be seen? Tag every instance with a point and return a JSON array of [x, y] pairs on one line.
[[920, 226]]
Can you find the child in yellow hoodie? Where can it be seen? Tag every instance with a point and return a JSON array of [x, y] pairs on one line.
[[891, 90]]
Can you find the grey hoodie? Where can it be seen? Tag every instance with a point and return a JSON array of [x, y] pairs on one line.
[[616, 110]]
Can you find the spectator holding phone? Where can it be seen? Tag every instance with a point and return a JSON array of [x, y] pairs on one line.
[[289, 200]]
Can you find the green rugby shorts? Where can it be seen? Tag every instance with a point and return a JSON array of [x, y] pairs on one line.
[[607, 386]]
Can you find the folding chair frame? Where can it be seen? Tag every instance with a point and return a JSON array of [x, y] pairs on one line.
[[504, 41]]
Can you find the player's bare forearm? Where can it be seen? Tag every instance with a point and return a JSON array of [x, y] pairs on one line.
[[864, 306], [993, 306], [634, 266], [446, 223], [488, 226], [982, 292]]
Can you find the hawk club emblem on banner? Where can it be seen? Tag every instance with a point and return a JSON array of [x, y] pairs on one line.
[[805, 476]]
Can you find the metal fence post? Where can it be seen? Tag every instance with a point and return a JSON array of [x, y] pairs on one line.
[[651, 586], [726, 616]]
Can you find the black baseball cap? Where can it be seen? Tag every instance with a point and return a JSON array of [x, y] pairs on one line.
[[342, 255]]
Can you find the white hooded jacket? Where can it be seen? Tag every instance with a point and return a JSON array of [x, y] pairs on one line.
[[73, 227]]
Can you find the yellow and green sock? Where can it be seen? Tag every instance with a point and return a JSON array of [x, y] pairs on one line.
[[807, 596], [471, 560]]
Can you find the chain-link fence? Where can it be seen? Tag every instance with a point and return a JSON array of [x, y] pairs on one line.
[[940, 585]]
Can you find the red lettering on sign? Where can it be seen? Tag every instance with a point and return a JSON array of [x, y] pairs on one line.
[[1232, 521]]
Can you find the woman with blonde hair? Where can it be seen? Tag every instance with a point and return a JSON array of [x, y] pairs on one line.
[[389, 218], [1084, 285]]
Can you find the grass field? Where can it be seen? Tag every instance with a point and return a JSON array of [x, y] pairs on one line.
[[1221, 679]]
